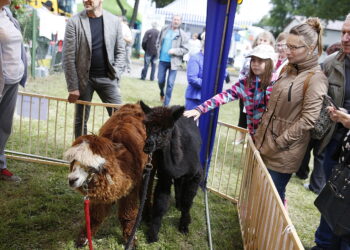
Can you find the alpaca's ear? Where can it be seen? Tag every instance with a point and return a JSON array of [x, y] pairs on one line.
[[178, 112], [146, 109]]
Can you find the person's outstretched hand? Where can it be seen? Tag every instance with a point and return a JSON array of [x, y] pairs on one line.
[[192, 113]]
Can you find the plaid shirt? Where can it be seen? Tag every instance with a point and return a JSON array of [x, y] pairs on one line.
[[255, 101]]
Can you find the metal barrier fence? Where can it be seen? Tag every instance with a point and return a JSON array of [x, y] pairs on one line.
[[225, 172], [238, 173], [44, 128]]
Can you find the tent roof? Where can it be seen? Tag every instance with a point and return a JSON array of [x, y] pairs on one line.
[[192, 12]]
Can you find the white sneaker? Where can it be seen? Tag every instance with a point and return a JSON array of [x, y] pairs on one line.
[[237, 142]]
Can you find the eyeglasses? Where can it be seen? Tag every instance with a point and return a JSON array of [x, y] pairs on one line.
[[281, 45], [293, 48]]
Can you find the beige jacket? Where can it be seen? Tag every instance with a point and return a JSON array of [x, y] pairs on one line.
[[284, 132]]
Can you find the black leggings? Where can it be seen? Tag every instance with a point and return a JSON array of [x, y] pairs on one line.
[[242, 122]]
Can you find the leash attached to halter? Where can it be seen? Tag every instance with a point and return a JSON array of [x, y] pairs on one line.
[[146, 175], [87, 211], [87, 221]]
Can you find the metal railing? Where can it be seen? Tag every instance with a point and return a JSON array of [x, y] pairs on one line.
[[43, 127]]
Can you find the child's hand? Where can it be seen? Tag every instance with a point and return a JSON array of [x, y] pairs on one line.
[[192, 113]]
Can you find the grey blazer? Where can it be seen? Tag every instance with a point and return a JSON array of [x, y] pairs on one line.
[[77, 49], [23, 56]]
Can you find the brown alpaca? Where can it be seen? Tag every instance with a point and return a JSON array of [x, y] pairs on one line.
[[115, 160]]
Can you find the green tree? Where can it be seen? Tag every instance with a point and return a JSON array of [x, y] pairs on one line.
[[134, 13], [162, 3], [122, 9], [283, 11], [280, 15]]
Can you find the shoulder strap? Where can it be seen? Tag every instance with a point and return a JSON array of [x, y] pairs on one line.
[[307, 80], [284, 69]]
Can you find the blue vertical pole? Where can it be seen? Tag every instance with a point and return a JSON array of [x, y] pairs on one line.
[[219, 27]]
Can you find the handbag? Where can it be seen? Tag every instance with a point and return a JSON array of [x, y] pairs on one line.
[[333, 202], [323, 123]]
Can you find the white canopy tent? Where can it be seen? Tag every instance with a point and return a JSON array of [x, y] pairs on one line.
[[193, 12]]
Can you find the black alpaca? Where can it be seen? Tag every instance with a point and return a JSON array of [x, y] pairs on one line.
[[175, 143]]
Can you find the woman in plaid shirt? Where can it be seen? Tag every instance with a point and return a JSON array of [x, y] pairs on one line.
[[254, 89]]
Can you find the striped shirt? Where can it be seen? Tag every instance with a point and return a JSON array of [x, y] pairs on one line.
[[255, 100]]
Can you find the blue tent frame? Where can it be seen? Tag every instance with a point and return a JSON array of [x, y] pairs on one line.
[[219, 28]]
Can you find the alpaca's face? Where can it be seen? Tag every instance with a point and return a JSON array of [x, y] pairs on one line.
[[159, 123], [83, 162], [157, 138], [78, 174]]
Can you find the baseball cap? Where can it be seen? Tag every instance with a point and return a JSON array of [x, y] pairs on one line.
[[264, 51]]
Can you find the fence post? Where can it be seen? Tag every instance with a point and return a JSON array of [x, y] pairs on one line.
[[34, 44]]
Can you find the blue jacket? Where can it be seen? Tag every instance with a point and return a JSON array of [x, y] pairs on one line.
[[194, 78], [23, 55]]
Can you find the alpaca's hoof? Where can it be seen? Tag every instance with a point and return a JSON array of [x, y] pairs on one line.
[[81, 241], [152, 237], [183, 229], [132, 245]]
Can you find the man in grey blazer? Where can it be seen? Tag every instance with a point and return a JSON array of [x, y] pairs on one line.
[[93, 59]]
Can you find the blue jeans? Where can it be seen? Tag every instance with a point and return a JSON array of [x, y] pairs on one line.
[[162, 69], [280, 180], [148, 59], [324, 236]]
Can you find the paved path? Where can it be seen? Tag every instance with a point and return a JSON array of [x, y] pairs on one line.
[[137, 66], [181, 78]]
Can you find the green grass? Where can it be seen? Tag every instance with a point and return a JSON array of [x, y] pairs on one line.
[[43, 213]]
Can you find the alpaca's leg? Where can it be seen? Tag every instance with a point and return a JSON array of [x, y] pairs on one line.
[[189, 191], [178, 183], [127, 212], [98, 212], [160, 206]]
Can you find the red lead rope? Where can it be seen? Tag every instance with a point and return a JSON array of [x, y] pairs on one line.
[[87, 221]]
